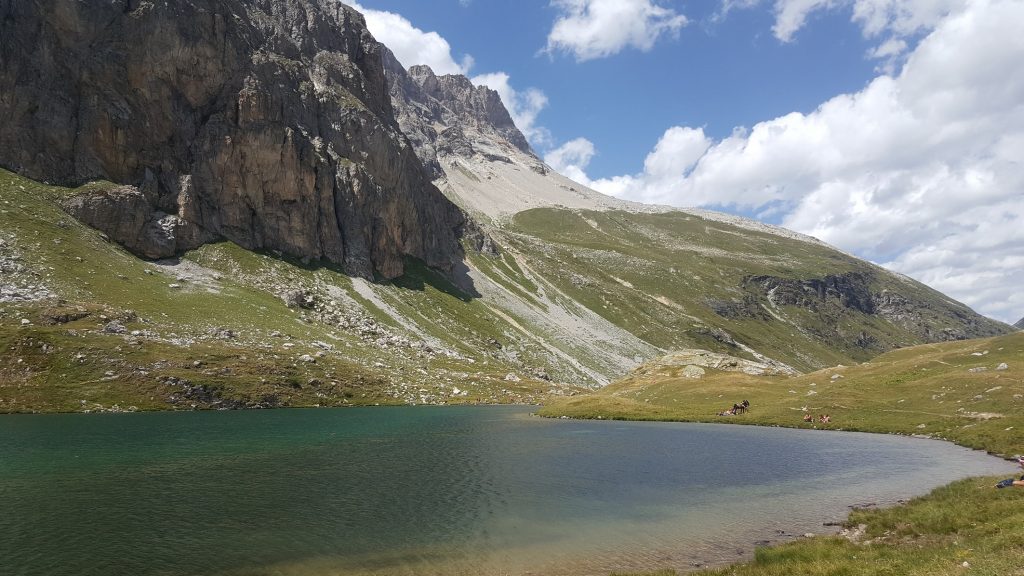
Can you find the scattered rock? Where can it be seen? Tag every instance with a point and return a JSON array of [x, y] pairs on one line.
[[1002, 366], [717, 361], [693, 372], [222, 333], [855, 535], [541, 374], [300, 299], [114, 327]]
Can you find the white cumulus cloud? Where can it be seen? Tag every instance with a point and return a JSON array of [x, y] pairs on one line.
[[898, 18], [921, 171], [412, 45], [894, 24], [571, 159], [592, 29]]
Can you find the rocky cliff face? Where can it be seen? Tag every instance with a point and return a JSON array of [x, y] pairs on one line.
[[1019, 324], [447, 116], [833, 297], [265, 123]]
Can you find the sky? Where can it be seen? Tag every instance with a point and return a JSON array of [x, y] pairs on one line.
[[891, 129]]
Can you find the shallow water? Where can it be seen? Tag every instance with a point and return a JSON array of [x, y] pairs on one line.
[[454, 490]]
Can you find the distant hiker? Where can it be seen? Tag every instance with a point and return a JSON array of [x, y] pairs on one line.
[[1010, 481]]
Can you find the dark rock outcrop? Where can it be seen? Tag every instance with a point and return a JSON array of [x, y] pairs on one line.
[[847, 290], [935, 319], [265, 123]]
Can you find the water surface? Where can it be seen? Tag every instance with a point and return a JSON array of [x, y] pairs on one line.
[[454, 490]]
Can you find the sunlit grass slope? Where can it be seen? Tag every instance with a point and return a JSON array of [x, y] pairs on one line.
[[951, 390], [678, 280], [571, 299]]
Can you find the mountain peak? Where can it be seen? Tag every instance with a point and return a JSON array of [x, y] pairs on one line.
[[448, 116]]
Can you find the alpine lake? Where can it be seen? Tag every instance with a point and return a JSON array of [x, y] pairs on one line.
[[430, 490]]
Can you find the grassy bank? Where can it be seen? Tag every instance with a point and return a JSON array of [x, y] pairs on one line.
[[952, 391], [967, 527]]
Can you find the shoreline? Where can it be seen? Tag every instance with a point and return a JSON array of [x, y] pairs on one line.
[[747, 546]]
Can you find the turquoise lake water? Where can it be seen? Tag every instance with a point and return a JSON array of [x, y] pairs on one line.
[[446, 490]]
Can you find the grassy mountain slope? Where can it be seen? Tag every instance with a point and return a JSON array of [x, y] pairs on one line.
[[969, 392], [86, 326], [572, 298], [677, 280]]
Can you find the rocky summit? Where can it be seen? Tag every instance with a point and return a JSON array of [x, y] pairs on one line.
[[1019, 324], [265, 123]]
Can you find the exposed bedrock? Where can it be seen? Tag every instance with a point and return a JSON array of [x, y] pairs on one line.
[[265, 123]]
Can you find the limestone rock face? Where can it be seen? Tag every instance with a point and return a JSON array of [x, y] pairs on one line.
[[448, 116], [265, 123], [691, 358], [834, 297], [1020, 324]]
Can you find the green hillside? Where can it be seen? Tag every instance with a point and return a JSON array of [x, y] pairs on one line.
[[969, 392], [678, 281], [87, 326], [570, 300]]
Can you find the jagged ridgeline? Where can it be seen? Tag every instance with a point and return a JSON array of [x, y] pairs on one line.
[[344, 231]]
